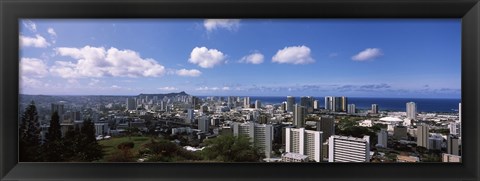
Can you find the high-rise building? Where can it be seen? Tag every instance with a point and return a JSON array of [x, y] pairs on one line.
[[262, 119], [460, 119], [231, 102], [101, 129], [260, 134], [326, 124], [400, 132], [382, 138], [344, 103], [329, 103], [246, 102], [348, 149], [351, 109], [422, 135], [194, 101], [255, 115], [76, 116], [460, 112], [190, 116], [411, 110], [454, 128], [374, 109], [290, 103], [139, 101], [452, 145], [338, 104], [258, 104], [163, 105], [283, 107], [299, 116], [316, 104], [435, 143], [59, 108], [131, 103], [205, 108], [304, 101], [307, 102], [203, 124], [284, 133], [305, 142]]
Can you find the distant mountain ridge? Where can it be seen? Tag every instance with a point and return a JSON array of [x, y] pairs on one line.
[[160, 96]]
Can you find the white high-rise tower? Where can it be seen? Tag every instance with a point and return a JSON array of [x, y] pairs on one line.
[[411, 110]]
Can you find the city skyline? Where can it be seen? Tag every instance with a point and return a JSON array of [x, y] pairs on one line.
[[357, 58]]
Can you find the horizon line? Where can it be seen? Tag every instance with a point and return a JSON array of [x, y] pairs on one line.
[[240, 96]]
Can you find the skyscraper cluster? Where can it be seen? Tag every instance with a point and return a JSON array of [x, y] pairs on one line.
[[309, 143], [336, 104], [307, 103], [260, 134]]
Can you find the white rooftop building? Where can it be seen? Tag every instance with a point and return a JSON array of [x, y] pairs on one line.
[[294, 157], [305, 142], [366, 123], [348, 149], [391, 122]]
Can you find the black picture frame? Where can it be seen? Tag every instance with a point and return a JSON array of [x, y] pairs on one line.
[[11, 11]]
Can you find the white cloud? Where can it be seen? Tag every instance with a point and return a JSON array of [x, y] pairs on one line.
[[30, 25], [188, 73], [99, 62], [367, 54], [229, 24], [52, 32], [53, 35], [37, 41], [293, 55], [33, 67], [167, 88], [206, 58], [115, 87], [26, 82], [206, 88], [254, 58], [66, 70], [94, 82]]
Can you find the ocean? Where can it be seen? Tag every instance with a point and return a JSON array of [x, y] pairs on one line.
[[384, 104]]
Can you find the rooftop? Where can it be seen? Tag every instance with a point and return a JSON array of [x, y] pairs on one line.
[[391, 119], [349, 138], [295, 156]]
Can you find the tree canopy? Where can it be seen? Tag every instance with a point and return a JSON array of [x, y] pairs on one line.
[[29, 135], [228, 148], [54, 147]]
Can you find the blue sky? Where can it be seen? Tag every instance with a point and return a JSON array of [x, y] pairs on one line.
[[358, 58]]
